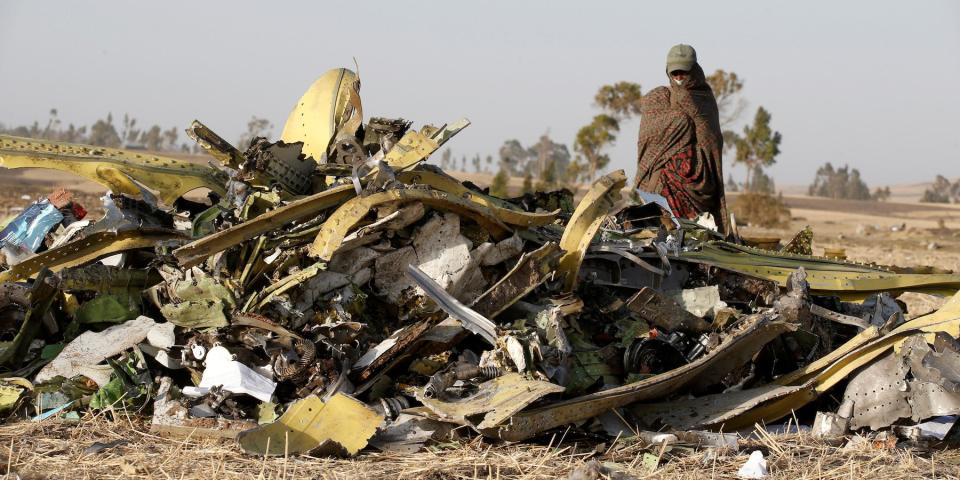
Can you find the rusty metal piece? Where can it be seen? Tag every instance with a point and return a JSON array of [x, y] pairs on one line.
[[838, 317], [307, 353], [584, 223], [441, 381], [400, 349], [215, 145], [662, 311], [532, 270]]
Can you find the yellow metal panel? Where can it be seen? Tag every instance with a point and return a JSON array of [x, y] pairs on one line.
[[112, 167], [947, 320], [847, 280], [319, 112], [340, 222], [343, 422], [585, 222], [88, 249], [503, 210]]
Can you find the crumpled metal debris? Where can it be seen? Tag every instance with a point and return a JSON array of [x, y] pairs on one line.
[[334, 290]]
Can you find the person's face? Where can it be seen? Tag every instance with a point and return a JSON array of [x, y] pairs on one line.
[[679, 76]]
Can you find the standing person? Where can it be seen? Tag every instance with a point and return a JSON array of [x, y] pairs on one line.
[[680, 145]]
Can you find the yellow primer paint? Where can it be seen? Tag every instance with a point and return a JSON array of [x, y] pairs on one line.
[[318, 114], [118, 170], [585, 222], [343, 422]]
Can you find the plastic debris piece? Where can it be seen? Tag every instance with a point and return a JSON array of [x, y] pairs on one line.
[[222, 370], [754, 467], [84, 353]]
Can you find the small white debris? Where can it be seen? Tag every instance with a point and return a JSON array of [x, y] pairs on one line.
[[755, 466]]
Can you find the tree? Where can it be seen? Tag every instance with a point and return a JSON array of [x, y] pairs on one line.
[[881, 194], [498, 187], [726, 88], [170, 138], [475, 161], [592, 139], [53, 126], [759, 145], [445, 158], [256, 127], [762, 183], [552, 159], [528, 182], [620, 100], [152, 138], [731, 185], [941, 191], [513, 157], [129, 132], [840, 183], [489, 164], [103, 133]]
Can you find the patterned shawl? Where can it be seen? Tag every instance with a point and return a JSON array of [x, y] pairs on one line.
[[673, 119]]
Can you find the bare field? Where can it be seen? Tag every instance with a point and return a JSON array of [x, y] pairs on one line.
[[886, 233]]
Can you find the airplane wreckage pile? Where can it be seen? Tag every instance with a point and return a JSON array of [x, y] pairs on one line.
[[335, 292]]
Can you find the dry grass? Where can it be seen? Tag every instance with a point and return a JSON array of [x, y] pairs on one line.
[[54, 449]]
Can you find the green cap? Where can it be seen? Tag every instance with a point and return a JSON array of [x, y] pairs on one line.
[[681, 57]]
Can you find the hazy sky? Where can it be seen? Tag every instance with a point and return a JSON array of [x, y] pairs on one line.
[[872, 84]]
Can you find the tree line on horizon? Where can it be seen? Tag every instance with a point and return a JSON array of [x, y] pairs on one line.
[[127, 134]]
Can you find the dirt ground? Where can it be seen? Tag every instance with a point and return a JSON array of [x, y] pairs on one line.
[[902, 234]]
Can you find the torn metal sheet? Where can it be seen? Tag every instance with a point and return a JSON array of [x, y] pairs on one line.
[[495, 401], [662, 311], [470, 319], [334, 230], [531, 271], [318, 114], [504, 211], [730, 354], [946, 320], [88, 249], [215, 145], [584, 223], [829, 277], [882, 392], [118, 170], [408, 433], [92, 348], [341, 425], [198, 250]]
